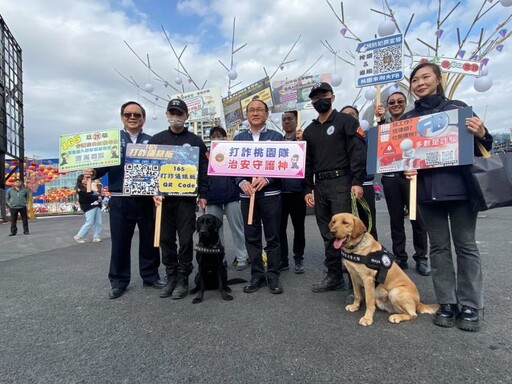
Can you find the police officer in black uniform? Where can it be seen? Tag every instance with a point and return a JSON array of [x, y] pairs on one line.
[[335, 167]]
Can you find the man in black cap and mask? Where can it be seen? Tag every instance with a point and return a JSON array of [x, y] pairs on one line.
[[179, 212], [335, 167]]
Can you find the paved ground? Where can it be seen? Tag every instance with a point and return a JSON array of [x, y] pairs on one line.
[[58, 326]]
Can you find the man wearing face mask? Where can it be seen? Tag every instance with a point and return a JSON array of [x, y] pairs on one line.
[[179, 212], [335, 167]]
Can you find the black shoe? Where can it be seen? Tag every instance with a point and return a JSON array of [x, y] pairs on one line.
[[169, 287], [181, 289], [26, 233], [12, 234], [299, 267], [255, 284], [468, 319], [157, 284], [331, 282], [402, 264], [114, 293], [274, 286], [423, 269], [350, 297], [446, 315], [284, 267]]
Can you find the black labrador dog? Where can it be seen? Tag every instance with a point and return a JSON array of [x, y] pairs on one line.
[[212, 272]]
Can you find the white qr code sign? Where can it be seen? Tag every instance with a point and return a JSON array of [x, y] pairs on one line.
[[379, 61]]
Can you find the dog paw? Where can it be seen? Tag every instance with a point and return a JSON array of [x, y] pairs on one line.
[[227, 297], [395, 319], [365, 321], [197, 300], [352, 308]]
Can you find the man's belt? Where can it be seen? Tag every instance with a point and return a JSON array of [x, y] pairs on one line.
[[331, 174]]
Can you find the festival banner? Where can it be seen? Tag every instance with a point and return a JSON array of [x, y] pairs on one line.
[[93, 149], [203, 105], [235, 104], [294, 94], [430, 141], [379, 61], [262, 158], [464, 67], [167, 170]]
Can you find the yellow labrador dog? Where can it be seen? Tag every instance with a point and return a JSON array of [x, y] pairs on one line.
[[384, 282]]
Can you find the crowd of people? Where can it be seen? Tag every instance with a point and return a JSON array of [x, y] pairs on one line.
[[335, 173]]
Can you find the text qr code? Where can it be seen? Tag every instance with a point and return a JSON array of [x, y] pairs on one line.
[[141, 179], [387, 59], [441, 157], [432, 158]]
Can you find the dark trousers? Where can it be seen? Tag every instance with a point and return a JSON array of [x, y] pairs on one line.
[[293, 206], [125, 213], [369, 196], [178, 218], [267, 211], [396, 192], [458, 281], [331, 196], [14, 219]]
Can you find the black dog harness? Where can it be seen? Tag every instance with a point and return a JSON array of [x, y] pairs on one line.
[[380, 261]]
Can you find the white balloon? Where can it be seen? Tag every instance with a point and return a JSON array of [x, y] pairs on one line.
[[149, 87], [386, 28], [370, 94], [483, 83], [154, 117], [232, 74], [394, 88], [506, 3], [484, 71], [364, 124], [178, 80], [336, 80]]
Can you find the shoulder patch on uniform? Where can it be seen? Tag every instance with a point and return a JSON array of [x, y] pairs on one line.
[[360, 131]]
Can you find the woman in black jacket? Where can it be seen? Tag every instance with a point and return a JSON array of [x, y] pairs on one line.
[[90, 204], [446, 202]]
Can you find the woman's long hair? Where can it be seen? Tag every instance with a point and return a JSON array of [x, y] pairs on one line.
[[437, 72], [79, 185]]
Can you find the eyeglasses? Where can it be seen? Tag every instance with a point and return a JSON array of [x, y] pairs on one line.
[[399, 102], [255, 110], [129, 115]]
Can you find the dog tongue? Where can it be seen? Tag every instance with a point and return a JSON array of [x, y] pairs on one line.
[[339, 242]]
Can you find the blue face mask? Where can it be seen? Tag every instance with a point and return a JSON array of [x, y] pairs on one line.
[[323, 105]]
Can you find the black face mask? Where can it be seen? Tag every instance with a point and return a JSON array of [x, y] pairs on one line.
[[323, 105]]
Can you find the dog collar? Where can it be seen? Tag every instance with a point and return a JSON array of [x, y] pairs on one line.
[[217, 248]]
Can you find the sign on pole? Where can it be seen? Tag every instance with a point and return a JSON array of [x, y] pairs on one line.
[[465, 67], [204, 104], [379, 61]]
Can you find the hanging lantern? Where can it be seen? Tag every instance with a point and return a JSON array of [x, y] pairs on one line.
[[506, 3], [386, 28], [482, 83], [336, 80], [149, 87], [370, 94], [232, 74], [178, 80]]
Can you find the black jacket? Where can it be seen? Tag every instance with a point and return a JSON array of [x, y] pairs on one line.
[[338, 143], [446, 183], [85, 199]]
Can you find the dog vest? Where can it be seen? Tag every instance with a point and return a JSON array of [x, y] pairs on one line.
[[380, 261]]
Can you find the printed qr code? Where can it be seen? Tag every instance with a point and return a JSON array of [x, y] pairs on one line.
[[432, 158], [448, 157], [387, 59], [141, 179]]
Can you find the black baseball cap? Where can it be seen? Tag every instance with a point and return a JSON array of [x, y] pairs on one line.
[[178, 105], [320, 88]]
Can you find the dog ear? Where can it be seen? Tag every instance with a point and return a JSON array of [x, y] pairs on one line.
[[359, 228], [218, 223]]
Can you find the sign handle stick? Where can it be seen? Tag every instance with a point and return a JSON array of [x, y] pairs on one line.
[[377, 96], [251, 208], [413, 184], [158, 225], [89, 185]]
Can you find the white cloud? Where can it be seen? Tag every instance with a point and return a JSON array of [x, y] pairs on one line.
[[71, 48]]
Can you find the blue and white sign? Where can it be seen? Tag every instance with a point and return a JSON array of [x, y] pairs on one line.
[[379, 61]]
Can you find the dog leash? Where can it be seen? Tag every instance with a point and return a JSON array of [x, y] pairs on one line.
[[364, 204]]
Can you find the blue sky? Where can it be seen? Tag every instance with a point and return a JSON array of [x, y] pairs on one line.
[[72, 50]]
